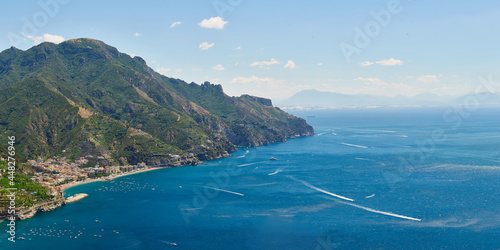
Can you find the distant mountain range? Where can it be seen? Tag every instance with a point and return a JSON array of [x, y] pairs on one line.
[[83, 97], [313, 99]]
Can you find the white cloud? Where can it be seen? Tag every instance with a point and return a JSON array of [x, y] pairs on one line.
[[290, 65], [390, 62], [206, 45], [163, 70], [320, 64], [255, 80], [174, 24], [264, 63], [36, 39], [46, 38], [218, 67], [213, 23], [53, 38], [429, 78], [195, 69], [238, 48], [372, 81], [367, 63], [137, 34]]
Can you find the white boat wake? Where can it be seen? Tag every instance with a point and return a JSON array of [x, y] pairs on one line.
[[353, 145], [169, 243], [369, 196], [319, 189], [374, 130], [380, 212], [222, 190], [364, 159], [260, 185], [351, 204], [249, 164], [279, 170]]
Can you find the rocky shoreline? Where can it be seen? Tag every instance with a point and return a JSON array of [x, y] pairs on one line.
[[26, 213]]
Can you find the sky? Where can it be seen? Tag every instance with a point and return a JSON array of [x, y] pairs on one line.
[[275, 49]]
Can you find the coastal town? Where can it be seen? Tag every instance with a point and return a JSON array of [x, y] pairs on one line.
[[56, 174], [59, 173]]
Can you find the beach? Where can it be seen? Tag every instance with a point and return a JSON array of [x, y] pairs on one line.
[[106, 178]]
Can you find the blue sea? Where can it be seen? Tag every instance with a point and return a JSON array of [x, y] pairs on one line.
[[401, 178]]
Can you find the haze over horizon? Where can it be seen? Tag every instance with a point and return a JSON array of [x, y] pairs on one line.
[[276, 49]]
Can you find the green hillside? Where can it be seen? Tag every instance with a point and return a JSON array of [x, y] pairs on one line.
[[83, 97]]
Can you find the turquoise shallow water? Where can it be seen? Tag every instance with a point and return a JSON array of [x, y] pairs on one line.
[[417, 181]]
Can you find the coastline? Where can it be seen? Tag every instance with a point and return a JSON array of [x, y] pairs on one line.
[[106, 178], [61, 201], [31, 212]]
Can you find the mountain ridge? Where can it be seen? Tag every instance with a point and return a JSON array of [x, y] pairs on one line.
[[94, 100], [323, 99]]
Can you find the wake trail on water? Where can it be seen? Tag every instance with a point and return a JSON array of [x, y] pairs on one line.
[[222, 190], [380, 212], [168, 242], [319, 189], [260, 185], [363, 159], [353, 145], [250, 164], [279, 170], [374, 130], [351, 204]]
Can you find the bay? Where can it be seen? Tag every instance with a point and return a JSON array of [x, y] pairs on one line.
[[402, 178]]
